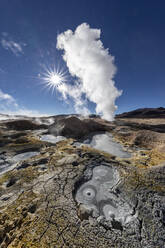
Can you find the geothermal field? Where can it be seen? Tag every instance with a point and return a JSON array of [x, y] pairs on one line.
[[82, 182]]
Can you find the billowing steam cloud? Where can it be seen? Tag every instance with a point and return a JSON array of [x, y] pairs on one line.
[[94, 67]]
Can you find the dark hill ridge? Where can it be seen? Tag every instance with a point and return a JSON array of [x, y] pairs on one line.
[[144, 113], [23, 125]]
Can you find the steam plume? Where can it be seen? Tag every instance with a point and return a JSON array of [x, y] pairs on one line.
[[93, 65]]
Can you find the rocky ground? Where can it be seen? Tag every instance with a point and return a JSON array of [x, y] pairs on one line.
[[64, 195]]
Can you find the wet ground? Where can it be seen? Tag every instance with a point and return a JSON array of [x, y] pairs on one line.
[[9, 163], [51, 138], [105, 142]]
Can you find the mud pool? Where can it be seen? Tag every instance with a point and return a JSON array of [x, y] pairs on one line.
[[7, 164], [106, 143], [51, 138], [23, 156], [99, 195]]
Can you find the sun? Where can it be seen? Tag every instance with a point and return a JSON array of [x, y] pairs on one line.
[[53, 78]]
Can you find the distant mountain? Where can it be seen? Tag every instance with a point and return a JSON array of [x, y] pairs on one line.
[[144, 113]]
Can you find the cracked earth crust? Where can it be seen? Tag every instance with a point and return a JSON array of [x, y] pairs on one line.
[[38, 206]]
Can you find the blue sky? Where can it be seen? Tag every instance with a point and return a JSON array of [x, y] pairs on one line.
[[134, 32]]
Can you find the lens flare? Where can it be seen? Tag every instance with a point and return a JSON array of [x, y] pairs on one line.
[[53, 78]]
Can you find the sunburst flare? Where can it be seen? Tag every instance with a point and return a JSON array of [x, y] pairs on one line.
[[53, 78]]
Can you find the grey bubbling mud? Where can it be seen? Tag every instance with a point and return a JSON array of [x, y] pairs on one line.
[[98, 194], [23, 156], [51, 138], [106, 143], [9, 163]]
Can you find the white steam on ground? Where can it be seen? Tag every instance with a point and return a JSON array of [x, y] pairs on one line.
[[91, 63]]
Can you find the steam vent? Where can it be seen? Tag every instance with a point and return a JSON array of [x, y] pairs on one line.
[[71, 181]]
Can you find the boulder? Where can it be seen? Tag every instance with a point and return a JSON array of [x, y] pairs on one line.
[[73, 127]]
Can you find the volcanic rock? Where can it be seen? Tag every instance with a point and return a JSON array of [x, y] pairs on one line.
[[23, 125], [63, 195], [73, 127]]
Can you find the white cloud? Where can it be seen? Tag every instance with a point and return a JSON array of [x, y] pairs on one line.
[[9, 44], [93, 65], [7, 99], [23, 111], [12, 46], [9, 105]]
